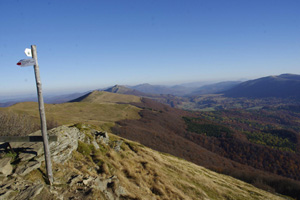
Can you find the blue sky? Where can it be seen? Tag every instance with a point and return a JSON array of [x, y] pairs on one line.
[[93, 44]]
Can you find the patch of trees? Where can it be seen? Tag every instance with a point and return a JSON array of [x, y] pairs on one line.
[[209, 129], [271, 140]]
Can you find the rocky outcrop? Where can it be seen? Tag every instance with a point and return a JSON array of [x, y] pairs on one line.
[[67, 142], [110, 187], [101, 137], [30, 156], [19, 189]]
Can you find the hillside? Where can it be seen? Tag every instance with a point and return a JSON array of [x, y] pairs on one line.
[[222, 148], [107, 97], [215, 146], [98, 108], [282, 86], [90, 164]]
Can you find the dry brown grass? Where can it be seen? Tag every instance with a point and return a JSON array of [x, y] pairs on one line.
[[148, 174], [101, 114], [145, 174], [108, 97]]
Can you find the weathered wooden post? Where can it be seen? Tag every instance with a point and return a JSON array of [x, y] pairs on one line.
[[42, 115], [29, 62]]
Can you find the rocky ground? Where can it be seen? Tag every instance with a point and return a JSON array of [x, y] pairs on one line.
[[23, 172]]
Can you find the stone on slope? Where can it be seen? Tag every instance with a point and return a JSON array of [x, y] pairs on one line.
[[5, 166], [67, 142], [26, 168], [30, 192]]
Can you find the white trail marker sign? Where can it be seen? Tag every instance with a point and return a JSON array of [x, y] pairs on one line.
[[28, 52], [33, 61], [26, 62]]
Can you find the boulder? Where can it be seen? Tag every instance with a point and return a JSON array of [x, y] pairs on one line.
[[101, 137], [67, 142], [5, 166]]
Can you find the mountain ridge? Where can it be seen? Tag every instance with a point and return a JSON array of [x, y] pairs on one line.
[[281, 86]]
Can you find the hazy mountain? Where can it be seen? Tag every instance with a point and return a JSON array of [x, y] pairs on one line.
[[178, 90], [14, 100], [120, 89], [6, 104], [196, 84], [186, 89], [214, 88], [152, 89], [47, 99], [282, 86], [169, 99], [63, 98]]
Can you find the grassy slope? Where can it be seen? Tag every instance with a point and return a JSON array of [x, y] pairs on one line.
[[168, 177], [99, 108], [101, 96], [148, 174]]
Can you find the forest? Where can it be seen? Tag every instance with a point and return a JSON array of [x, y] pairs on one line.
[[259, 146]]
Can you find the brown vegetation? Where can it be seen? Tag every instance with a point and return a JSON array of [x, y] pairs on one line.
[[147, 174], [163, 128]]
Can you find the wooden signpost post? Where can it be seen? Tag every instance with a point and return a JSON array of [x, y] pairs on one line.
[[34, 61]]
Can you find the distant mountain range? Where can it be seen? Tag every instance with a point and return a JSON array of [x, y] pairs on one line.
[[282, 86], [185, 90], [215, 88]]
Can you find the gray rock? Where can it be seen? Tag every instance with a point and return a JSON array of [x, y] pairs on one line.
[[117, 145], [110, 187], [100, 184], [101, 137], [27, 167], [27, 155], [67, 142], [87, 181], [95, 145], [30, 192], [6, 189], [5, 166], [75, 179], [6, 195]]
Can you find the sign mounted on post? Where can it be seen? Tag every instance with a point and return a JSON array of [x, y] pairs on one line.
[[27, 62], [28, 52]]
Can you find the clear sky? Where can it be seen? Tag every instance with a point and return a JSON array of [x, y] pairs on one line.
[[93, 44]]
